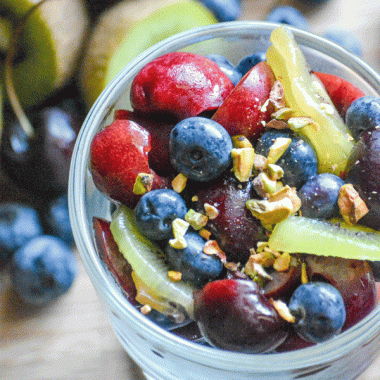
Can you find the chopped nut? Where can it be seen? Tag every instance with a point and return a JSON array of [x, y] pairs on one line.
[[265, 259], [275, 172], [272, 251], [196, 219], [351, 206], [277, 149], [211, 211], [146, 309], [276, 95], [194, 198], [304, 278], [205, 234], [282, 263], [283, 310], [241, 142], [254, 269], [243, 161], [261, 245], [270, 213], [276, 124], [260, 162], [180, 227], [179, 183], [301, 122], [287, 192], [282, 114], [175, 275], [143, 183], [211, 247], [263, 185]]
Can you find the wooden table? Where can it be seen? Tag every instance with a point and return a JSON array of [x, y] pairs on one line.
[[72, 338]]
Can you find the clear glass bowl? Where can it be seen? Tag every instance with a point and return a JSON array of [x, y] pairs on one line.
[[160, 354]]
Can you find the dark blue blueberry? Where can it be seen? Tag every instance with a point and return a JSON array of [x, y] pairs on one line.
[[250, 61], [155, 212], [319, 196], [19, 223], [196, 266], [43, 270], [344, 38], [227, 67], [224, 10], [57, 219], [363, 114], [200, 148], [299, 161], [288, 15], [319, 311]]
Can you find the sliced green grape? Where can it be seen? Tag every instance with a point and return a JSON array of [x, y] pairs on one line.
[[147, 261], [298, 234], [306, 96]]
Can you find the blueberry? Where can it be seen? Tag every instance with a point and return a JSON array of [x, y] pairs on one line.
[[319, 311], [288, 15], [227, 67], [43, 270], [224, 10], [363, 114], [250, 61], [200, 148], [57, 219], [196, 266], [19, 223], [345, 38], [299, 161], [319, 196], [155, 212]]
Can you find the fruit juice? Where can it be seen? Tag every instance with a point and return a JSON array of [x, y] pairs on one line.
[[99, 208]]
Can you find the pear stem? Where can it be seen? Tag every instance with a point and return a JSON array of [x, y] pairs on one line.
[[8, 72]]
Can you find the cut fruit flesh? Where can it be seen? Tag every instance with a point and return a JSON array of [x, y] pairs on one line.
[[306, 96], [147, 262], [129, 28], [298, 234], [50, 45]]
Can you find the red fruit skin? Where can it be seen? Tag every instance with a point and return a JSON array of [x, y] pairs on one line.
[[159, 130], [235, 315], [113, 258], [241, 113], [118, 154], [341, 92], [181, 84]]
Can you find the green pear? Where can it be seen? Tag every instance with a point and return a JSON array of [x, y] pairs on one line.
[[50, 46], [126, 30]]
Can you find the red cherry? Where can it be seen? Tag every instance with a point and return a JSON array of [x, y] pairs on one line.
[[181, 84]]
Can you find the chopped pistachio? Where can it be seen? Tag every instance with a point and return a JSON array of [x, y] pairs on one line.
[[206, 234], [179, 183], [275, 172], [276, 95], [194, 198], [143, 183], [270, 213], [261, 245], [263, 185], [304, 278], [282, 263], [146, 309], [265, 259], [243, 161], [240, 141], [180, 228], [196, 219], [175, 275], [260, 162], [301, 122], [277, 149], [211, 247], [283, 310], [211, 211], [282, 114], [287, 192], [351, 205], [277, 124]]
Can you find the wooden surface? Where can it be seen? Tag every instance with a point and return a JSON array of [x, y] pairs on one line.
[[72, 339]]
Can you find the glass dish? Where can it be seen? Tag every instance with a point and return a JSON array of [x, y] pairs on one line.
[[160, 354]]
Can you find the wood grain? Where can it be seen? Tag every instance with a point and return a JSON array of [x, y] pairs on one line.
[[72, 339]]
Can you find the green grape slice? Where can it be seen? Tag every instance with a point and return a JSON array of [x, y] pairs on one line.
[[298, 234], [147, 261]]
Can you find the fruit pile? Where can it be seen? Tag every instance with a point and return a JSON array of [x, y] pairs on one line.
[[246, 199]]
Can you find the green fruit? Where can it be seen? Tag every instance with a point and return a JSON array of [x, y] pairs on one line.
[[146, 260], [49, 48], [306, 96], [305, 235], [128, 29]]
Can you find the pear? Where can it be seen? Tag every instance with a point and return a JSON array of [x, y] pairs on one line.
[[50, 46], [126, 30]]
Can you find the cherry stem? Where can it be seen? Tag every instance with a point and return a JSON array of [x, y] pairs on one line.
[[8, 72]]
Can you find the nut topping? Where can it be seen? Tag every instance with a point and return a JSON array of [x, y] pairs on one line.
[[351, 206]]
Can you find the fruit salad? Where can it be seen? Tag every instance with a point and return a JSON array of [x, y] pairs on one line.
[[246, 201]]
